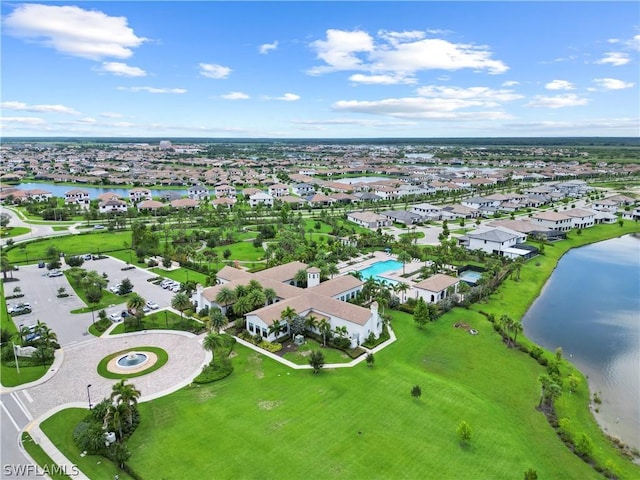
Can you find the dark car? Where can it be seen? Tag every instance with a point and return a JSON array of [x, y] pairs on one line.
[[40, 264]]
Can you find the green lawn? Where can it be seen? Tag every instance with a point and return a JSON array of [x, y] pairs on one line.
[[13, 231], [241, 251], [162, 320], [71, 245], [39, 455], [108, 298], [331, 355], [181, 275]]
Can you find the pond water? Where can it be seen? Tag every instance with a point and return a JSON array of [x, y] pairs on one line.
[[591, 308]]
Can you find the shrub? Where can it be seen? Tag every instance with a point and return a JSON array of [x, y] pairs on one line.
[[152, 263], [584, 446], [212, 373], [270, 347]]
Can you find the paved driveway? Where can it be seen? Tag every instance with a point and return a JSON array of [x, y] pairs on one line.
[[41, 292]]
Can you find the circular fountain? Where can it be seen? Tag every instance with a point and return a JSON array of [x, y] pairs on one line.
[[132, 359]]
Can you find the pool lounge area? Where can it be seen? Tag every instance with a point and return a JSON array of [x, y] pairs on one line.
[[377, 269]]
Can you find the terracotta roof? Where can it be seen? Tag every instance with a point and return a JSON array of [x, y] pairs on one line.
[[337, 285], [553, 216], [437, 283], [282, 273]]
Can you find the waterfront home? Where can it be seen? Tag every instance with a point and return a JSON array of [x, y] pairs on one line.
[[139, 194], [224, 201], [222, 191], [605, 205], [185, 203], [78, 197], [198, 192], [369, 219], [632, 215], [436, 288], [553, 221], [149, 205], [497, 241], [581, 218], [38, 195]]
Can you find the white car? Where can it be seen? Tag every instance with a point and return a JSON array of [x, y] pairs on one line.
[[115, 288], [55, 273], [152, 305], [115, 317]]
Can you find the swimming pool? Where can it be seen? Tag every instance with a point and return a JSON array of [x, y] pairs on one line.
[[378, 268], [470, 276]]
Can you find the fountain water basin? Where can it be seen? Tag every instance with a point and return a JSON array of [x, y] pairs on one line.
[[132, 359]]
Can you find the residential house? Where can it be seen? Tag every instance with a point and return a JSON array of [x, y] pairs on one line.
[[198, 193], [499, 241], [185, 203], [369, 219], [304, 189], [139, 194], [402, 216], [223, 191], [436, 288], [553, 221], [278, 190], [149, 205], [581, 218], [261, 198], [79, 197], [38, 195], [112, 205]]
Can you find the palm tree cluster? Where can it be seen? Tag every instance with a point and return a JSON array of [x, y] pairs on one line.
[[44, 340], [509, 329], [123, 408]]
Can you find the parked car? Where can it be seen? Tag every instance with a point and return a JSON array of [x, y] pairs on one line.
[[19, 309], [166, 283], [55, 273], [152, 305], [115, 317], [115, 288], [98, 227], [41, 264], [88, 256]]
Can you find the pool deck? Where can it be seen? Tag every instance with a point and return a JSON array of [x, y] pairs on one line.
[[365, 261]]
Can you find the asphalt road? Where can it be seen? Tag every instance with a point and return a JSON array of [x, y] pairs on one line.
[[14, 417]]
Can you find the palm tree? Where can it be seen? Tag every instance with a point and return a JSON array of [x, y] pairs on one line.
[[241, 291], [181, 302], [211, 342], [311, 322], [341, 331], [325, 327], [126, 393], [300, 277], [257, 298], [288, 314], [225, 297], [47, 336], [217, 319], [357, 274], [332, 269], [269, 296], [254, 285], [276, 328], [405, 258], [517, 328], [115, 416], [243, 305], [402, 288], [136, 303]]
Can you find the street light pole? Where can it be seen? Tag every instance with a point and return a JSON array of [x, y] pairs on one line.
[[15, 355], [89, 395]]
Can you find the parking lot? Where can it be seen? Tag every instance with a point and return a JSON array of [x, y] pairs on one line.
[[40, 291]]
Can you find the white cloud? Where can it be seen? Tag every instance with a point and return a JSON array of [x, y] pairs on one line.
[[595, 124], [612, 83], [634, 43], [111, 115], [7, 121], [420, 108], [122, 69], [560, 85], [355, 121], [235, 96], [288, 97], [381, 79], [398, 53], [73, 31], [510, 83], [559, 101], [211, 70], [267, 47], [486, 96], [38, 108], [616, 59], [153, 90]]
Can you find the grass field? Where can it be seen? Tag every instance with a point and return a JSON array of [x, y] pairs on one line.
[[9, 232], [39, 455], [241, 251], [72, 245], [331, 355]]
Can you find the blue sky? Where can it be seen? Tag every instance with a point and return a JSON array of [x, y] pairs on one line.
[[320, 69]]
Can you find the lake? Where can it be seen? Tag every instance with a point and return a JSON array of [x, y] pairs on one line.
[[590, 306], [58, 190]]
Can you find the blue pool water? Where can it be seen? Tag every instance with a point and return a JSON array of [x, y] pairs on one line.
[[470, 276], [380, 267]]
